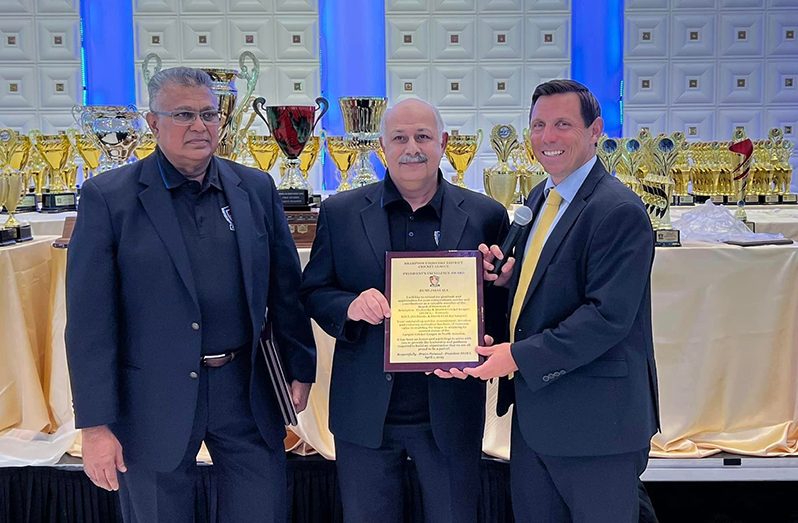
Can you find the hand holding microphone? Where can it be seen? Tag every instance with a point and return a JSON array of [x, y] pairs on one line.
[[521, 220]]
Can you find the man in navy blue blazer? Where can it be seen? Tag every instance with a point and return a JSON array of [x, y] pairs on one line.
[[581, 353], [380, 418], [173, 265]]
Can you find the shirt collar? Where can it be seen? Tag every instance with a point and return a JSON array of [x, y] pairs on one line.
[[571, 184], [172, 178], [391, 194]]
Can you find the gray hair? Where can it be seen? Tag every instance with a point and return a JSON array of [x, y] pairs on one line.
[[436, 113], [182, 76]]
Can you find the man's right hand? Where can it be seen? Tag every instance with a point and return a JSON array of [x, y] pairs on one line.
[[370, 306], [102, 457], [490, 254]]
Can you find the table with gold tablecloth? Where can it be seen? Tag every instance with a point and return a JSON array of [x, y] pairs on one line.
[[725, 328]]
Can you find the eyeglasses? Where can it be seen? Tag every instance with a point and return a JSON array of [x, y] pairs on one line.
[[187, 117]]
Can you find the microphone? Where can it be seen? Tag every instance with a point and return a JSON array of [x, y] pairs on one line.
[[521, 219]]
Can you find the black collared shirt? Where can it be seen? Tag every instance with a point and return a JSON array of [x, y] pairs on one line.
[[209, 233], [411, 231]]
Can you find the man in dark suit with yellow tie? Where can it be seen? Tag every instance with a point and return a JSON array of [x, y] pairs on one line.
[[580, 353]]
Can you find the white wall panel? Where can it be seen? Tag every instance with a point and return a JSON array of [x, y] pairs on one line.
[[407, 38], [782, 33], [202, 6], [740, 82], [255, 35], [548, 37], [694, 122], [741, 34], [59, 40], [453, 38], [692, 83], [145, 7], [251, 6], [454, 86], [18, 88], [500, 38], [750, 119], [17, 39], [782, 81], [693, 35], [16, 6], [59, 86]]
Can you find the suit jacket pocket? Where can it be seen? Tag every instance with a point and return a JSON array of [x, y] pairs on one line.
[[606, 369]]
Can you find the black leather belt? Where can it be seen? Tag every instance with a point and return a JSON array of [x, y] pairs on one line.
[[217, 360]]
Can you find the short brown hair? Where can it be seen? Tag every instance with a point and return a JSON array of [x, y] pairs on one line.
[[588, 105]]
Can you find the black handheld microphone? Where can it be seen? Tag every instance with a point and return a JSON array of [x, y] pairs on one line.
[[521, 219]]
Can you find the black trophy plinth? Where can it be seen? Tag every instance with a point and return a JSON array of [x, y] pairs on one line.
[[27, 203], [295, 199], [8, 236], [24, 232], [789, 199], [686, 200], [770, 199], [59, 202], [667, 238]]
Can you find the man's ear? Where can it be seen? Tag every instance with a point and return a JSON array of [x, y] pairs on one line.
[[152, 121], [596, 128], [444, 140]]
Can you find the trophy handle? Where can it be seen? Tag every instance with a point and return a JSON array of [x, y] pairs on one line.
[[323, 104], [257, 106], [77, 115], [251, 76], [145, 67], [479, 139]]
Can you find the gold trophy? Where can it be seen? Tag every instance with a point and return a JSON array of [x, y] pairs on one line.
[[532, 173], [657, 187], [18, 160], [741, 174], [90, 152], [145, 147], [343, 155], [629, 167], [681, 171], [13, 154], [782, 169], [609, 152], [264, 150], [460, 151], [224, 88], [362, 116], [501, 180], [116, 130], [55, 149], [308, 156]]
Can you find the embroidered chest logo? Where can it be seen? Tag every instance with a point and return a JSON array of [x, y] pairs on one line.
[[228, 217]]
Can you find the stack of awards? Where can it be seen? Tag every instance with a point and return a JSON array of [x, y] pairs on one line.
[[14, 150]]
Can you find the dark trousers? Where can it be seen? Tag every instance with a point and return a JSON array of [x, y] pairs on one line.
[[371, 479], [555, 489], [252, 484]]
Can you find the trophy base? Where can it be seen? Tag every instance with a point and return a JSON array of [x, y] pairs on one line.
[[302, 225], [686, 200], [771, 199], [28, 203], [752, 199], [667, 238], [24, 232], [8, 236], [718, 199], [294, 199], [699, 199], [751, 225], [59, 202], [789, 199]]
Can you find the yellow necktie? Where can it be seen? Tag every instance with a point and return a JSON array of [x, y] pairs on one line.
[[551, 207]]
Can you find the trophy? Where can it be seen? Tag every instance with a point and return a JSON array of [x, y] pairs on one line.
[[292, 127], [362, 116], [18, 160], [90, 152], [501, 180], [657, 190], [460, 151], [145, 147], [13, 154], [630, 163], [224, 88], [742, 145], [681, 171], [116, 130], [308, 156], [343, 155], [609, 152], [782, 169], [55, 149], [264, 150]]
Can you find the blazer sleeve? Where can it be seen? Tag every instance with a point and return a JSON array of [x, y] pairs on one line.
[[618, 271], [92, 329], [324, 300], [290, 325]]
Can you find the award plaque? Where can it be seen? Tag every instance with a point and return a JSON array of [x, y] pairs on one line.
[[437, 312]]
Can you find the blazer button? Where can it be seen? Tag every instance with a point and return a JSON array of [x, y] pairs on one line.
[[546, 378], [193, 375], [195, 325], [388, 377]]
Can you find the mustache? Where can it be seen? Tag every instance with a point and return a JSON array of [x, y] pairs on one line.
[[413, 158]]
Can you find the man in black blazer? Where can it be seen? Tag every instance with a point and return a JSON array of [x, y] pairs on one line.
[[173, 264], [379, 418], [581, 351]]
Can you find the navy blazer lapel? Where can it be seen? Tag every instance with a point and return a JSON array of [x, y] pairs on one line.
[[453, 219], [241, 210], [563, 226], [157, 203], [375, 224]]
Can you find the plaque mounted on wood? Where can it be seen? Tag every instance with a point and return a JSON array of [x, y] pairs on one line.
[[302, 225]]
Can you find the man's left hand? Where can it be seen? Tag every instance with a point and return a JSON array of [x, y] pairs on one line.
[[500, 362], [299, 395]]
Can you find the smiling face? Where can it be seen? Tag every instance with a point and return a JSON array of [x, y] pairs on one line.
[[413, 146], [560, 138], [189, 148]]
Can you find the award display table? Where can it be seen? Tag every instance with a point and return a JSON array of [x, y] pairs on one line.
[[725, 335], [773, 219]]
